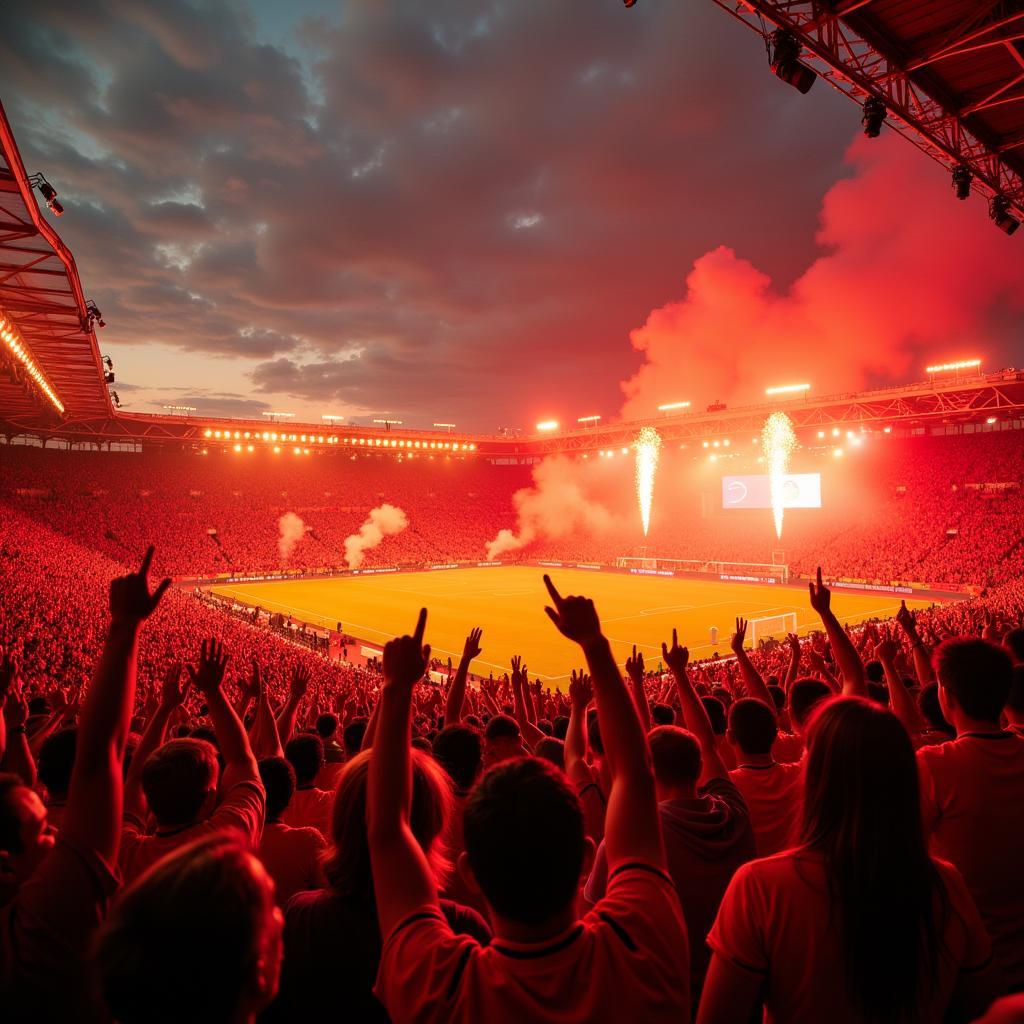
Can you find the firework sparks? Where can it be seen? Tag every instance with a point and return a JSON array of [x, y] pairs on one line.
[[648, 448], [778, 442]]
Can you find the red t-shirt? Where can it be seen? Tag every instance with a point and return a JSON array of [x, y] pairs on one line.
[[972, 789], [292, 858], [775, 921], [627, 960], [45, 933], [241, 809], [772, 795], [310, 808]]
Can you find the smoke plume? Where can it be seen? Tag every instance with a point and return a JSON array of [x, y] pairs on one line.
[[382, 522], [555, 506], [292, 531], [907, 276]]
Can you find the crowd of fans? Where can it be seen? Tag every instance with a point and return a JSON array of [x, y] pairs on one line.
[[932, 509], [202, 820]]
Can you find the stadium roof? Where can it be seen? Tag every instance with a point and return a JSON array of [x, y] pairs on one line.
[[950, 73], [41, 295]]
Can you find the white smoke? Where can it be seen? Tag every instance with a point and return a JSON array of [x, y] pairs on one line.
[[554, 507], [380, 523], [292, 531]]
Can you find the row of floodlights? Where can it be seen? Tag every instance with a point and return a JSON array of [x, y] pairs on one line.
[[369, 442], [13, 342]]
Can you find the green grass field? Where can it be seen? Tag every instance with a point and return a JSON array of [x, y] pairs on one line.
[[508, 603]]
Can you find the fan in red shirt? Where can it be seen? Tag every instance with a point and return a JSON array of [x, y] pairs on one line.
[[971, 790], [526, 850]]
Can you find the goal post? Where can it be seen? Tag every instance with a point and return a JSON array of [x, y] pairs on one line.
[[771, 627]]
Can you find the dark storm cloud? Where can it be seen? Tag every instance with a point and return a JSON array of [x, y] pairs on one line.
[[414, 206]]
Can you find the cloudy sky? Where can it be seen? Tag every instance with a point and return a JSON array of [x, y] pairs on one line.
[[484, 211]]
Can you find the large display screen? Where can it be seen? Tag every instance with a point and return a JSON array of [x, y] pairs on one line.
[[799, 490]]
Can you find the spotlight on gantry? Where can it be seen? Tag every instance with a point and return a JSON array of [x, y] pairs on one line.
[[873, 117], [48, 192], [962, 178], [784, 58], [999, 211]]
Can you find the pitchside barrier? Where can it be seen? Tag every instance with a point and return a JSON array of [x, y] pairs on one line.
[[727, 572]]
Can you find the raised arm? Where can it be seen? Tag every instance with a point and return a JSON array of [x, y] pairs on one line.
[[695, 715], [18, 758], [93, 817], [581, 693], [793, 668], [402, 879], [904, 706], [264, 737], [207, 677], [922, 656], [751, 677], [847, 658], [297, 687], [457, 691], [635, 671], [520, 680], [632, 826], [172, 696]]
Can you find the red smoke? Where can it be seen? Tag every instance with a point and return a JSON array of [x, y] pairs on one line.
[[909, 275]]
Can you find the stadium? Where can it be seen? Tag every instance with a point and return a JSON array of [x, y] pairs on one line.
[[807, 560]]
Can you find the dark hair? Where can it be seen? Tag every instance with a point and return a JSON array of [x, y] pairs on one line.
[[306, 753], [347, 866], [545, 727], [182, 942], [551, 750], [459, 751], [753, 726], [502, 727], [929, 706], [1016, 698], [804, 695], [523, 827], [326, 725], [1014, 643], [874, 671], [862, 813], [879, 693], [10, 823], [560, 726], [352, 737], [594, 733], [977, 674], [278, 777], [675, 754], [176, 779], [56, 759], [662, 714], [778, 696], [716, 712]]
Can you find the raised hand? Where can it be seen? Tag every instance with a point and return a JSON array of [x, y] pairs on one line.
[[581, 689], [15, 707], [887, 651], [676, 657], [471, 649], [213, 662], [575, 617], [172, 692], [635, 667], [794, 645], [738, 637], [821, 596], [299, 682], [406, 657], [130, 599], [519, 674], [8, 672], [907, 620]]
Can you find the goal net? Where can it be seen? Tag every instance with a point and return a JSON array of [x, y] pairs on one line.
[[772, 627]]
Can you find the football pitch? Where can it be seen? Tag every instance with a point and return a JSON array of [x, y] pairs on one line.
[[508, 603]]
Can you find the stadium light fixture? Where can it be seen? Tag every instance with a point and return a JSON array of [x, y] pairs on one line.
[[93, 315], [445, 426], [990, 420], [673, 406], [963, 364], [49, 194], [836, 431], [547, 425], [331, 418], [873, 117], [837, 452], [186, 409], [14, 344], [389, 423], [999, 211], [962, 178], [279, 415], [787, 389], [821, 434], [587, 419], [784, 59]]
